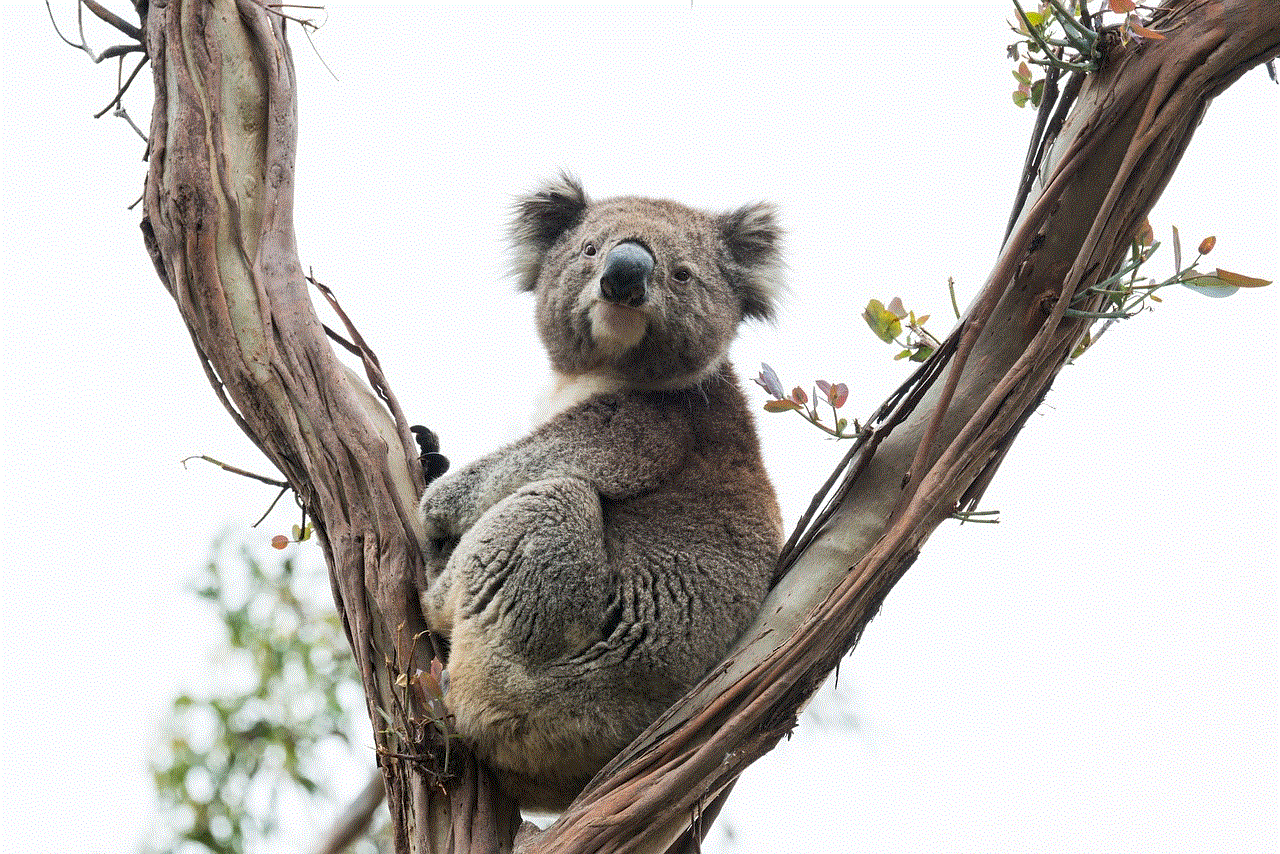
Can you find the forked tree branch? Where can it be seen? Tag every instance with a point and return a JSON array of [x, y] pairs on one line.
[[219, 226]]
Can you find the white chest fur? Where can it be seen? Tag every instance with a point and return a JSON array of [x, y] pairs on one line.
[[567, 391]]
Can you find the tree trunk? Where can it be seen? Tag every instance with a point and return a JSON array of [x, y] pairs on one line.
[[219, 227]]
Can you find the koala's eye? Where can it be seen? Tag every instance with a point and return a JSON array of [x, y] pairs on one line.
[[588, 249], [682, 274]]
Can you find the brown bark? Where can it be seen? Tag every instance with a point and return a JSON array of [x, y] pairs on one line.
[[219, 227]]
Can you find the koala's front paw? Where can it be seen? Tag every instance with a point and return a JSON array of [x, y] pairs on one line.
[[448, 510], [433, 463]]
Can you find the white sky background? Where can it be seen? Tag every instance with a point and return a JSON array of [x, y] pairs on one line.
[[1096, 673]]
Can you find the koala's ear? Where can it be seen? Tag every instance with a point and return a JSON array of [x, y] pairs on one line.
[[753, 239], [540, 218]]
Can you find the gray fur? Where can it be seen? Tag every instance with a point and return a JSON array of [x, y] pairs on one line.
[[588, 574]]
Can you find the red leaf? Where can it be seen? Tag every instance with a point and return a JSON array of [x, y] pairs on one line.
[[1240, 281], [1145, 235]]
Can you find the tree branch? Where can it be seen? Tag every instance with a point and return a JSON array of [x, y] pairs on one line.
[[355, 819], [219, 227], [1099, 177]]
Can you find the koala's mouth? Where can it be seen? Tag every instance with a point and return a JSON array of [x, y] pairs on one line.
[[616, 328]]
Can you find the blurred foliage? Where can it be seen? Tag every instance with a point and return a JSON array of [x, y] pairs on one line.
[[254, 763]]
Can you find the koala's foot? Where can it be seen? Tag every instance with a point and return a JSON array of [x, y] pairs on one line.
[[432, 461]]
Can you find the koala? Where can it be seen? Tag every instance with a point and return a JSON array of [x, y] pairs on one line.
[[590, 573]]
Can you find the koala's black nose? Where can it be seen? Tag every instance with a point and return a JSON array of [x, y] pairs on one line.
[[626, 274]]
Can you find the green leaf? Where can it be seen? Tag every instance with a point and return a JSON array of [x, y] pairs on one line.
[[1082, 346], [883, 323], [922, 352], [1037, 91], [1210, 286]]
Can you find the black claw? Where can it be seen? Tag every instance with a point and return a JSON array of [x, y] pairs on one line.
[[434, 465], [433, 462], [428, 442]]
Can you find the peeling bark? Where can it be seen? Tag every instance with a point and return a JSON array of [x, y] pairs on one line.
[[219, 227], [219, 202]]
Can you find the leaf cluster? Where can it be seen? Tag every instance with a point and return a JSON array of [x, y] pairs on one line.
[[1124, 294], [891, 321], [834, 395], [1067, 36]]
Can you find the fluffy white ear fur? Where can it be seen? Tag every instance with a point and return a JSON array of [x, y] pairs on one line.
[[754, 240], [539, 220]]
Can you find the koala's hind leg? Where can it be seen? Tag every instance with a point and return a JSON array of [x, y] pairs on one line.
[[531, 575], [525, 591]]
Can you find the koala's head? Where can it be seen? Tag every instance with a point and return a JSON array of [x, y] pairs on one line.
[[645, 291]]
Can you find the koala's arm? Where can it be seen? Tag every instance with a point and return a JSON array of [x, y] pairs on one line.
[[620, 445]]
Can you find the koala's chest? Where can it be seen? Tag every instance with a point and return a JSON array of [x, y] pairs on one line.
[[565, 392]]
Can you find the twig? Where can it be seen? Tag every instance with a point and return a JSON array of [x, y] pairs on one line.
[[373, 369], [124, 114], [119, 23], [120, 90], [280, 483], [114, 20], [272, 506], [1035, 153]]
